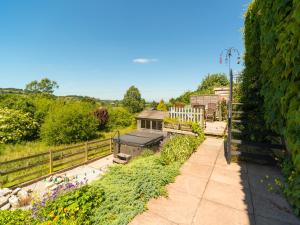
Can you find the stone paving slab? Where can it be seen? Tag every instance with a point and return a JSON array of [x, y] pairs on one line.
[[230, 177], [210, 213], [228, 195], [211, 192], [149, 218], [202, 159], [196, 170], [179, 207], [190, 185]]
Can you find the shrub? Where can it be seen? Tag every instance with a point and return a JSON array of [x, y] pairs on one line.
[[162, 106], [17, 102], [69, 123], [101, 114], [129, 188], [179, 148], [119, 118], [42, 104], [292, 188], [16, 126], [16, 217], [74, 207]]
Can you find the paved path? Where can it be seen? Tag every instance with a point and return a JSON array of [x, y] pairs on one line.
[[210, 192], [216, 128]]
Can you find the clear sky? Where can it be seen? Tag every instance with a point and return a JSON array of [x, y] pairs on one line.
[[100, 48]]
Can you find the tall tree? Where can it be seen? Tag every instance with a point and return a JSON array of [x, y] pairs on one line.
[[162, 106], [212, 81], [133, 100], [45, 85]]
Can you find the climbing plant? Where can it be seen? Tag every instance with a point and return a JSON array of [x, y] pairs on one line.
[[271, 80]]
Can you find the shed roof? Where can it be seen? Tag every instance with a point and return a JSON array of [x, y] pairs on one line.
[[153, 114]]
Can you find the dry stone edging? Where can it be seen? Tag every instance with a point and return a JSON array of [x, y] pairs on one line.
[[13, 198]]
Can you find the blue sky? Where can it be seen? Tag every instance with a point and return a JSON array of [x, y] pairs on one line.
[[100, 48]]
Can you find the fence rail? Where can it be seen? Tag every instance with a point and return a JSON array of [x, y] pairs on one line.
[[25, 169], [188, 114]]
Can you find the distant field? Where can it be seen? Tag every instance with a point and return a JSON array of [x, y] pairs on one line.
[[13, 151]]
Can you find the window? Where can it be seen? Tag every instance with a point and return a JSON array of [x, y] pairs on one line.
[[157, 125], [148, 124], [143, 123]]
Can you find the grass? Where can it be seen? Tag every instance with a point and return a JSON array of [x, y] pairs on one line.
[[61, 159], [13, 151]]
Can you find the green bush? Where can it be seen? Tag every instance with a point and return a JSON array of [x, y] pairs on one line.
[[292, 187], [16, 217], [119, 117], [179, 148], [16, 126], [69, 123], [196, 128], [74, 207]]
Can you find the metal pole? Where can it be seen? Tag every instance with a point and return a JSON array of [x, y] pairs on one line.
[[230, 117]]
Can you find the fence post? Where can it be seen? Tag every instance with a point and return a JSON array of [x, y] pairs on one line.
[[50, 161], [110, 144], [86, 152]]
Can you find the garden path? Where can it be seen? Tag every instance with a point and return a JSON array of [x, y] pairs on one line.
[[211, 192]]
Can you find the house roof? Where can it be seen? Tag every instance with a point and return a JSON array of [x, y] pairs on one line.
[[153, 114]]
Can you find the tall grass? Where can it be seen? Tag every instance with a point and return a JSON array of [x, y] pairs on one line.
[[13, 151]]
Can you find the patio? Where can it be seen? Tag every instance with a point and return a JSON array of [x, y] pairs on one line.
[[211, 192]]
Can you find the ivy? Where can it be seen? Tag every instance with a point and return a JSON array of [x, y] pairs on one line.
[[271, 80]]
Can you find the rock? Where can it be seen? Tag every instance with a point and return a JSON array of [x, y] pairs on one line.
[[14, 201], [3, 201], [24, 197], [23, 194], [6, 206], [50, 185], [14, 192], [53, 187], [5, 191]]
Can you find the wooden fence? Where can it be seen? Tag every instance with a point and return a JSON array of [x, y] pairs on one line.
[[18, 171], [188, 114]]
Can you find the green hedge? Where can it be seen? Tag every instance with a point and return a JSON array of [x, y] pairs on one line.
[[271, 80]]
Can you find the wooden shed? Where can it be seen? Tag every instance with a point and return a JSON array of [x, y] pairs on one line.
[[151, 120]]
